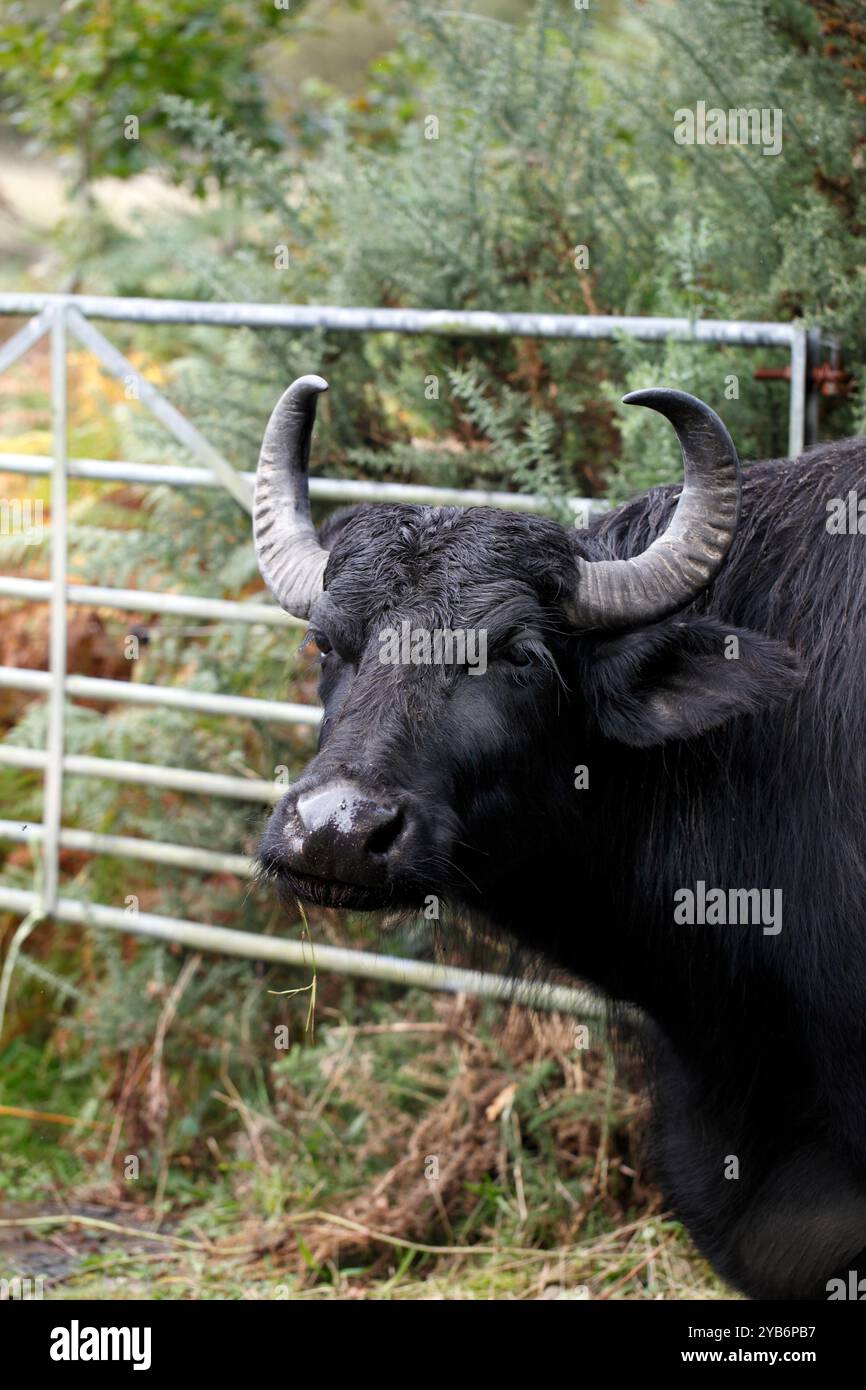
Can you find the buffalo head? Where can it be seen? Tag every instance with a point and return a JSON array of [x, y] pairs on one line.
[[473, 660]]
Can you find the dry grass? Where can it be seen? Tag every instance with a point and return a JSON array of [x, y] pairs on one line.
[[415, 1147]]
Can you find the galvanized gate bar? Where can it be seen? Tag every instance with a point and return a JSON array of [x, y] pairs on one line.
[[218, 610], [278, 950], [137, 693], [449, 322], [53, 808], [321, 489], [23, 340], [128, 847], [176, 779]]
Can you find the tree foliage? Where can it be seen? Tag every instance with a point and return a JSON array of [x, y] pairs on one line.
[[74, 73]]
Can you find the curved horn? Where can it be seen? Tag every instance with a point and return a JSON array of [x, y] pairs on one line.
[[686, 557], [291, 561]]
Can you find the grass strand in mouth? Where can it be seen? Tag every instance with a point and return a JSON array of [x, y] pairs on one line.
[[310, 1021]]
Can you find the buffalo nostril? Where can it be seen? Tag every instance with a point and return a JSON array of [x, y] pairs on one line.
[[383, 837]]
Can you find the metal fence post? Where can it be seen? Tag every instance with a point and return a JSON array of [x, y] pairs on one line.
[[53, 797], [799, 370], [813, 398]]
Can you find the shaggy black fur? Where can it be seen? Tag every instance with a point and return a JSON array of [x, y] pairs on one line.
[[743, 773]]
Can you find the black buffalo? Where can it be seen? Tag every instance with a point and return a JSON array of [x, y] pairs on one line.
[[657, 782]]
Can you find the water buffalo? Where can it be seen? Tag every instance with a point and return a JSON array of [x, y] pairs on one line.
[[657, 783]]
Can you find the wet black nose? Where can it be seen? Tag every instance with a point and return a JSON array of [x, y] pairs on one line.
[[339, 832]]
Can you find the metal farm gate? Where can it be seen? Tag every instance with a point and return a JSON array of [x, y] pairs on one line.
[[65, 316]]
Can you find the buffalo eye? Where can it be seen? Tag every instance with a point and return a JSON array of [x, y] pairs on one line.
[[518, 656], [319, 641]]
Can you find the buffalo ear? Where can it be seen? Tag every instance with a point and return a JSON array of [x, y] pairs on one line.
[[678, 678]]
